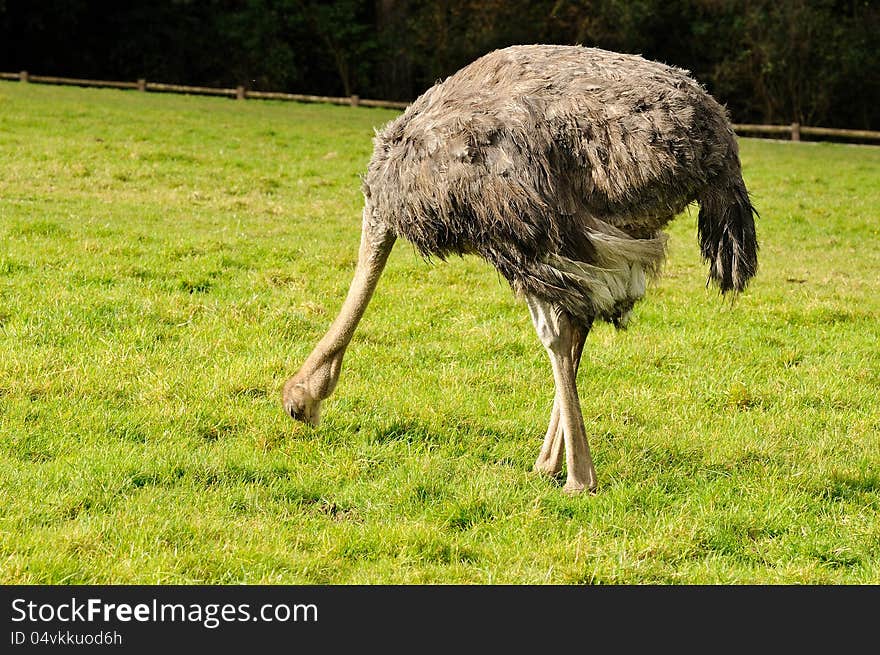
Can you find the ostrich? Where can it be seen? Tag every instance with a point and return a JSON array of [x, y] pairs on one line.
[[559, 165]]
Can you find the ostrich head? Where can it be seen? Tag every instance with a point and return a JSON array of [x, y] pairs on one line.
[[299, 402]]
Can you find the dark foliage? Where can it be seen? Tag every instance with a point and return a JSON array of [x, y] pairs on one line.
[[812, 61]]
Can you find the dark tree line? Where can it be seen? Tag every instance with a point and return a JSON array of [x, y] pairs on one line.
[[770, 61]]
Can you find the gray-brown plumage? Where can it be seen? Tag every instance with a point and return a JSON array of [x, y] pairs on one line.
[[559, 165]]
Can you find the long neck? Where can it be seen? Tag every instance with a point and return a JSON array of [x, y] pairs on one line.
[[320, 371]]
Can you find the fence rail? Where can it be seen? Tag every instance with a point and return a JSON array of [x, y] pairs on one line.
[[239, 92], [794, 131]]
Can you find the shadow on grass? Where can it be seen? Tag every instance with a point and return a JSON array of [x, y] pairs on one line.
[[850, 487]]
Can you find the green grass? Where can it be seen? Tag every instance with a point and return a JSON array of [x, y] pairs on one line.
[[167, 261]]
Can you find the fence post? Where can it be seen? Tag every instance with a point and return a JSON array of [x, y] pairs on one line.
[[355, 100], [239, 93], [142, 84], [795, 131], [24, 77]]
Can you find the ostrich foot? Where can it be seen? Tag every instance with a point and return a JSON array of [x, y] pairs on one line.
[[574, 488], [549, 469]]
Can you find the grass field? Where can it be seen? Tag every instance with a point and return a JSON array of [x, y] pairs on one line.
[[167, 261]]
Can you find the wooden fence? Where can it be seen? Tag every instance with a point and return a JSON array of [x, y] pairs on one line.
[[793, 131], [238, 92]]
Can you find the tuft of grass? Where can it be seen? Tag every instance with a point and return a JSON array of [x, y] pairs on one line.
[[167, 261]]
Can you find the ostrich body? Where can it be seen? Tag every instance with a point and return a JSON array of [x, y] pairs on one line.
[[559, 165]]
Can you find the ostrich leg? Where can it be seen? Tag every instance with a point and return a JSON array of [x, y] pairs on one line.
[[559, 336], [317, 377], [549, 460]]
